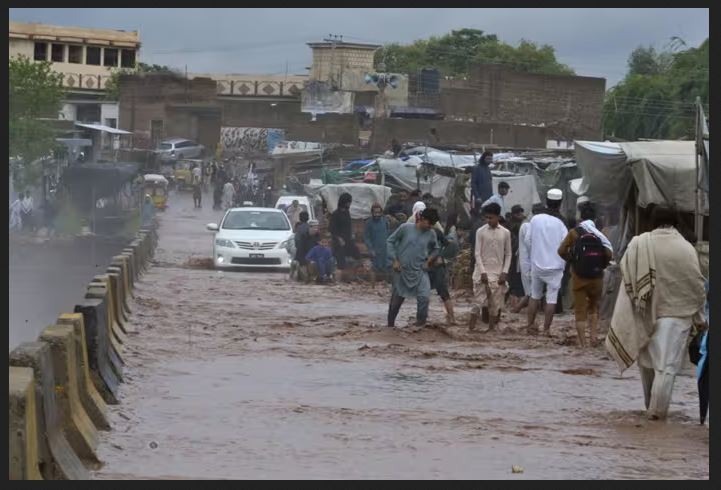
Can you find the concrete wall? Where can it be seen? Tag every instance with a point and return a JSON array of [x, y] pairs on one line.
[[455, 133], [571, 107], [156, 97]]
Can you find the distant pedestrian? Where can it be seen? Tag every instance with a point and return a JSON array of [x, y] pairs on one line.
[[589, 253], [16, 220], [544, 236], [499, 198], [412, 249], [148, 210], [197, 194], [228, 195], [524, 261], [293, 211], [340, 228], [493, 260], [482, 180], [26, 210], [515, 283], [375, 237]]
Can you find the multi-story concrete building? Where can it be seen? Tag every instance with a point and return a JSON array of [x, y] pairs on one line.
[[85, 58]]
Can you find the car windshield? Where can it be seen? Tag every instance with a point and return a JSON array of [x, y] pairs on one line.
[[166, 146], [255, 220]]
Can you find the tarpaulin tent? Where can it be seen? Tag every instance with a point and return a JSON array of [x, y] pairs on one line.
[[664, 172], [364, 195]]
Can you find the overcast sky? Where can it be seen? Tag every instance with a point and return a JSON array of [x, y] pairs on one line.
[[594, 42]]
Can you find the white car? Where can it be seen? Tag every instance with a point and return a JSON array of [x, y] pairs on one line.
[[175, 149], [252, 237]]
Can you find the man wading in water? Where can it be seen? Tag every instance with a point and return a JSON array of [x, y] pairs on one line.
[[412, 248]]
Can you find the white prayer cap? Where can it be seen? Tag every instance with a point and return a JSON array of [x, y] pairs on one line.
[[555, 194], [581, 200]]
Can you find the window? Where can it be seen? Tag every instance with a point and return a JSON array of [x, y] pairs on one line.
[[255, 220], [57, 52], [75, 54], [111, 122], [93, 55], [111, 57], [41, 52], [127, 59]]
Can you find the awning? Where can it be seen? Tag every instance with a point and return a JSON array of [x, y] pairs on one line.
[[103, 128]]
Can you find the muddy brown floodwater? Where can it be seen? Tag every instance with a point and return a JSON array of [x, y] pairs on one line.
[[250, 375]]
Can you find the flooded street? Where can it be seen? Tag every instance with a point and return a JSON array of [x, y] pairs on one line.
[[251, 375]]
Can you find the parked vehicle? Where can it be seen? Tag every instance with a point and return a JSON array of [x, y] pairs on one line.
[[252, 237], [175, 149], [304, 201]]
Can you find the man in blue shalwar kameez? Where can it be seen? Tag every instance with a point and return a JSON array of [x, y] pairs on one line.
[[412, 248]]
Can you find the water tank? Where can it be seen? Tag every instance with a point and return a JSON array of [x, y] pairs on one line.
[[430, 81]]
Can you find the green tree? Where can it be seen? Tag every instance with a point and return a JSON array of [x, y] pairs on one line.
[[656, 98], [454, 53], [35, 99]]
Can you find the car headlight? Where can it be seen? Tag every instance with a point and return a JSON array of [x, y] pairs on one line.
[[285, 243], [221, 242]]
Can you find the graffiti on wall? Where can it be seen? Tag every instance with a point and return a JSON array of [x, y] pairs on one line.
[[285, 147], [250, 141]]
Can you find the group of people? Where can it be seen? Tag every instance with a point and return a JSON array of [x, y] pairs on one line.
[[231, 192], [21, 213]]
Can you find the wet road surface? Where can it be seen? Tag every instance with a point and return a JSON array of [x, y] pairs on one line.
[[250, 375]]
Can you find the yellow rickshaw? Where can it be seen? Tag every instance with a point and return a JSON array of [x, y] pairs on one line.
[[182, 174], [157, 187]]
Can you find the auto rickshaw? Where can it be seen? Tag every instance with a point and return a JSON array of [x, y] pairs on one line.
[[183, 173], [157, 187]]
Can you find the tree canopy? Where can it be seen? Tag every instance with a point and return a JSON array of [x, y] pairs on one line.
[[35, 98], [656, 98], [454, 53]]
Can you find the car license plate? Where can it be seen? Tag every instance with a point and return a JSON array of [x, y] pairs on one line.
[[256, 256]]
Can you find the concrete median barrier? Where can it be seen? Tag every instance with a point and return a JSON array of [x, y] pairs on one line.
[[119, 326], [126, 261], [137, 248], [75, 422], [133, 257], [122, 270], [105, 368], [117, 275], [91, 399], [58, 460], [100, 290], [23, 427]]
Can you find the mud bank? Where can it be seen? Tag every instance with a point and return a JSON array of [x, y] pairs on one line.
[[249, 375]]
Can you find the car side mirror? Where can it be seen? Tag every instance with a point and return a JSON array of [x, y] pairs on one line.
[[212, 227]]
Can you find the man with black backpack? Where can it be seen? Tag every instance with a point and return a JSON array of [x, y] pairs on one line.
[[589, 252]]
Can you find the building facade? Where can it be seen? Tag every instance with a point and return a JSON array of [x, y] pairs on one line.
[[85, 57]]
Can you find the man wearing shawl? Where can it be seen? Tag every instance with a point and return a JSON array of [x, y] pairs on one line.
[[412, 249], [586, 290], [661, 299]]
